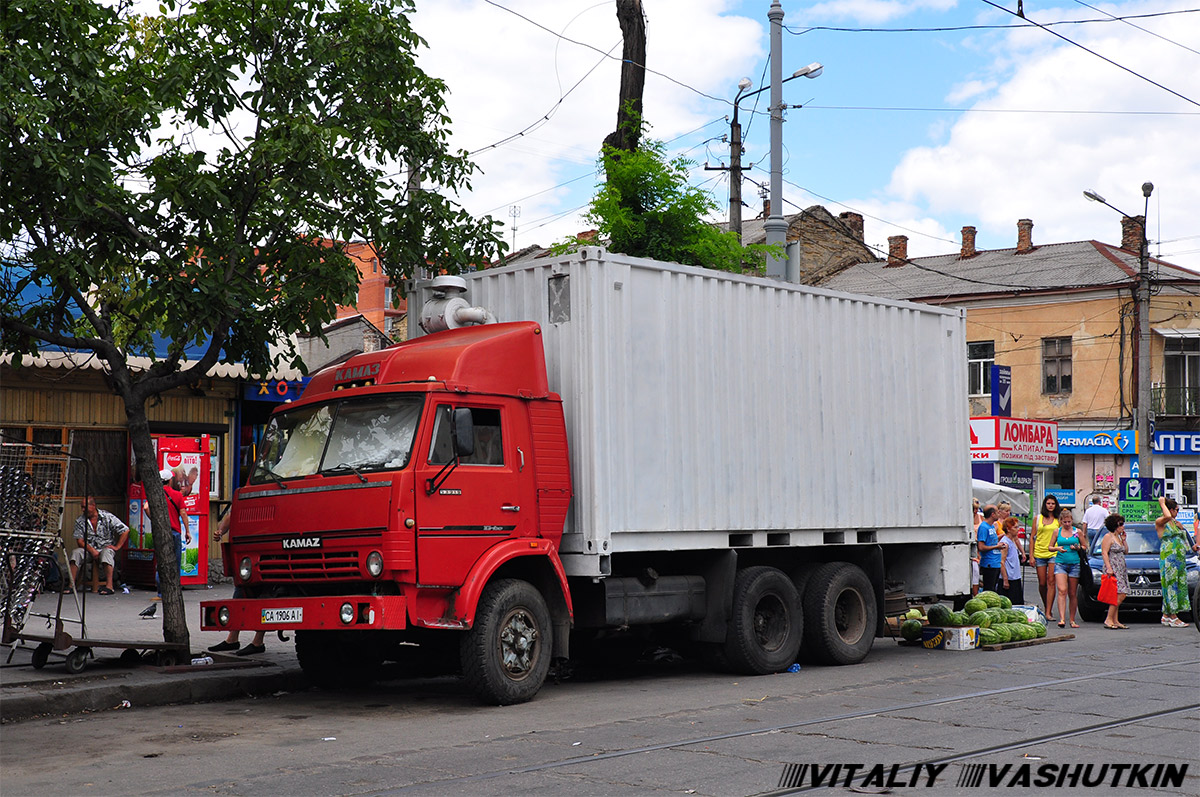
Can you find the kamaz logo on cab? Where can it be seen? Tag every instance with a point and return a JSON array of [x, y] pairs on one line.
[[301, 542], [357, 372]]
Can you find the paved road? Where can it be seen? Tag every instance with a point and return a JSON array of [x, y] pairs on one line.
[[667, 727]]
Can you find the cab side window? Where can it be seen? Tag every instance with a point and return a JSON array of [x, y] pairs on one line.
[[489, 443]]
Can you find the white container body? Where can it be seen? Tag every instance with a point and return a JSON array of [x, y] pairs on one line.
[[709, 410]]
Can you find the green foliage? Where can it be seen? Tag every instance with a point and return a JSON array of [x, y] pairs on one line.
[[194, 173], [646, 208]]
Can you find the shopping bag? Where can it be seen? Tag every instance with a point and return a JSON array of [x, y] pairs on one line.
[[1108, 589]]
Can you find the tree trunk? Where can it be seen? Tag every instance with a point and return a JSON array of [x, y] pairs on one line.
[[633, 77], [174, 618]]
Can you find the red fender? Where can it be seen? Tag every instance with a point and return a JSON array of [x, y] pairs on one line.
[[490, 562]]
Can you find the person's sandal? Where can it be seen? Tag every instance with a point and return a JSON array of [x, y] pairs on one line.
[[104, 591], [251, 649], [222, 646]]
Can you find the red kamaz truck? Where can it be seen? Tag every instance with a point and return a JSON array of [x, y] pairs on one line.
[[604, 444]]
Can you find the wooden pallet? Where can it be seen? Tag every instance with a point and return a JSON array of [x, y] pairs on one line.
[[1022, 643]]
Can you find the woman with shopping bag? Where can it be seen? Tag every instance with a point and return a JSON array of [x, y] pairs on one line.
[[1114, 584]]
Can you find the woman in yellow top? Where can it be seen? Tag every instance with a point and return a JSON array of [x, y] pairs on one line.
[[1045, 532]]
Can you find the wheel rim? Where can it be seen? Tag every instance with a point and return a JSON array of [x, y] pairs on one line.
[[771, 623], [850, 616], [518, 642]]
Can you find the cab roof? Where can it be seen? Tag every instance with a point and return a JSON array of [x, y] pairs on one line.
[[502, 359]]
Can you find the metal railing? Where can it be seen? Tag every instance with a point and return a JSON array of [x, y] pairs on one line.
[[1175, 400]]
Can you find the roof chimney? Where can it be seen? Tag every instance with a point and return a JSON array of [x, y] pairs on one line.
[[1132, 230], [968, 243], [855, 222], [897, 251], [1024, 235]]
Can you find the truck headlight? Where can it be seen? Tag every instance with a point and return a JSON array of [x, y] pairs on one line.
[[244, 568], [223, 615], [346, 614], [375, 564]]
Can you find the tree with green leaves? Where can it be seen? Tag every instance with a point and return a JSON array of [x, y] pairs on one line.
[[195, 174], [647, 208]]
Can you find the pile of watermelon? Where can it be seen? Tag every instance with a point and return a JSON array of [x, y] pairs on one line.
[[998, 622]]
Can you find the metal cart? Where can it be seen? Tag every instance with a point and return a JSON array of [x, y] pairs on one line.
[[33, 485]]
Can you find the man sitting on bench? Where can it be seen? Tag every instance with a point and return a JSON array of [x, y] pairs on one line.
[[100, 534]]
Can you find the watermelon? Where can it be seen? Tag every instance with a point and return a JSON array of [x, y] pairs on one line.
[[1014, 616], [990, 598], [914, 614], [938, 615], [911, 629], [981, 619], [988, 636], [1039, 629], [1002, 633], [1005, 602], [974, 605], [959, 619]]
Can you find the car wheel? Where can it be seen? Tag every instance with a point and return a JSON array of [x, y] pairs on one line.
[[1090, 609]]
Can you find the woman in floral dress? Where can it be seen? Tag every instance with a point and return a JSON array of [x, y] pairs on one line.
[[1112, 549], [1173, 557]]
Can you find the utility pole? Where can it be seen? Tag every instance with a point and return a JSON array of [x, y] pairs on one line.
[[775, 227], [1145, 415], [514, 213]]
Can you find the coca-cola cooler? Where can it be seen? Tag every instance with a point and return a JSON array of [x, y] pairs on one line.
[[193, 454]]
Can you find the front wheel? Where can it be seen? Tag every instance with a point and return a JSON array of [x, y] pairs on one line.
[[506, 654], [766, 628]]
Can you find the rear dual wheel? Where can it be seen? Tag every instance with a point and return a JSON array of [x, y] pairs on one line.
[[767, 624], [840, 614]]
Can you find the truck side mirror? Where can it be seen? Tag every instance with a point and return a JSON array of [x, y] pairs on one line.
[[463, 432]]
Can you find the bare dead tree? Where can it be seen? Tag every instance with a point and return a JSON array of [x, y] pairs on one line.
[[633, 76]]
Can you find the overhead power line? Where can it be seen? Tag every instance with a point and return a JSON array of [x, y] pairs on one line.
[[953, 28], [1093, 52], [1138, 27]]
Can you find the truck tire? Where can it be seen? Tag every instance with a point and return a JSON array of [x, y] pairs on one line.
[[767, 622], [839, 614], [506, 654]]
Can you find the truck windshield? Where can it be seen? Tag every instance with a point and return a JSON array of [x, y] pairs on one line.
[[353, 435]]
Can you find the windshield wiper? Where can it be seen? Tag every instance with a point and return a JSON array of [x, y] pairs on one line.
[[344, 466], [273, 476]]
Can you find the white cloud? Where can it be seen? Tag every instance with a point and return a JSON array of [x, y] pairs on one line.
[[504, 74], [998, 167], [874, 12]]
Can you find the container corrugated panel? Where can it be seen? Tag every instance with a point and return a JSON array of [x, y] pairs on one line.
[[700, 403]]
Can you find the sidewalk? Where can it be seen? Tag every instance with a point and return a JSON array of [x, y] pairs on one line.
[[105, 683]]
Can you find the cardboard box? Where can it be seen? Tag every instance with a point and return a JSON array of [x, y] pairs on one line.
[[936, 638], [1032, 613]]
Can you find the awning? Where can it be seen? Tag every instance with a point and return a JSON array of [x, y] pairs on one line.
[[1178, 333]]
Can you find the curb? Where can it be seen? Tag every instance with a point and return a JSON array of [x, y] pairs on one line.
[[107, 694]]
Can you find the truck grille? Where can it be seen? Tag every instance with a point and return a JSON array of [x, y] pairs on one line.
[[309, 566]]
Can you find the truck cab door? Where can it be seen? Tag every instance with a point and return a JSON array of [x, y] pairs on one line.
[[472, 506]]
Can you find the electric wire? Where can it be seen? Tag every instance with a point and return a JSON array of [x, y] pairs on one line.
[[952, 28], [1049, 112], [1138, 27], [1093, 52]]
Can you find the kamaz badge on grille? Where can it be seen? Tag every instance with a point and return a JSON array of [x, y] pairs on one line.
[[301, 542]]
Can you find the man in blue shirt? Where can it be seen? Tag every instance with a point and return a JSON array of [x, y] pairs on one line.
[[989, 549]]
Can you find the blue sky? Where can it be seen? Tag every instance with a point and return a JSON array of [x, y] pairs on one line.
[[999, 149]]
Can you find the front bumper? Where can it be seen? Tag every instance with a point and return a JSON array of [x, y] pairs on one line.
[[369, 612]]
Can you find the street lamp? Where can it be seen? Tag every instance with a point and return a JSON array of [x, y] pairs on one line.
[[1144, 412], [735, 144]]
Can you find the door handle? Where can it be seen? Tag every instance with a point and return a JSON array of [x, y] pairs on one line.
[[510, 508]]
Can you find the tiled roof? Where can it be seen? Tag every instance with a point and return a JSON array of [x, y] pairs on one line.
[[1050, 267]]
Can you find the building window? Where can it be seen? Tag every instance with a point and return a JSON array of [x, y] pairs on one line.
[[980, 359], [1062, 477], [374, 265], [1181, 372], [1056, 365], [387, 297]]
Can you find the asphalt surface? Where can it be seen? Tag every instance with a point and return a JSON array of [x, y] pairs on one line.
[[112, 623]]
